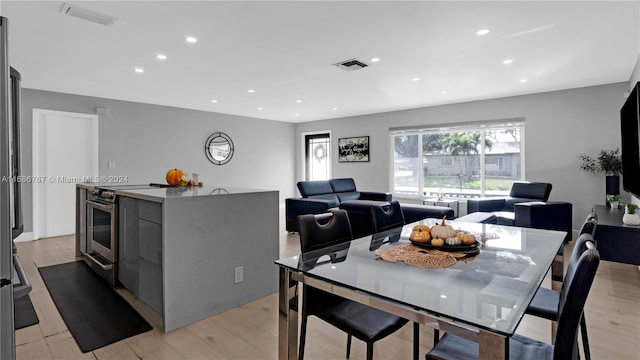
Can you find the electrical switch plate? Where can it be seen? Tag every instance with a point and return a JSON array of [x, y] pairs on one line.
[[239, 274]]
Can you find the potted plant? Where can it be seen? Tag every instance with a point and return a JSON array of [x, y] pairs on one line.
[[630, 217], [614, 200], [608, 162]]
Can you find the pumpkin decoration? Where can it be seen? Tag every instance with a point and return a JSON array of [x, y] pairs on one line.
[[420, 233], [454, 241], [437, 242], [173, 176], [467, 239], [443, 230]]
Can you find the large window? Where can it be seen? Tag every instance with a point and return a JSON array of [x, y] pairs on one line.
[[461, 161]]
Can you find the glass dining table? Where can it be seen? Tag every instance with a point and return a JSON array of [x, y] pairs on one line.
[[482, 298]]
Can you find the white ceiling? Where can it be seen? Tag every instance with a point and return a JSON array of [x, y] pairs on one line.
[[285, 51]]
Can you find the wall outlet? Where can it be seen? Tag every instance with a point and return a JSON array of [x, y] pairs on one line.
[[112, 164], [239, 274]]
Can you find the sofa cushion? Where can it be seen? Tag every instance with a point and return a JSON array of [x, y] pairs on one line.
[[331, 197], [531, 190], [310, 188], [505, 217], [346, 196], [416, 212], [343, 185], [479, 217]]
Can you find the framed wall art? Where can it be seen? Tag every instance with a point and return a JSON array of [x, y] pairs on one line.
[[353, 149]]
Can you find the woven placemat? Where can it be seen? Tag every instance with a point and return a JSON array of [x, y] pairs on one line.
[[419, 257]]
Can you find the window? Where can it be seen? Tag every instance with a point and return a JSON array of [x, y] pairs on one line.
[[464, 161]]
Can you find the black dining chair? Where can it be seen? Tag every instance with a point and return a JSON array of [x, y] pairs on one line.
[[573, 296], [589, 225], [545, 303], [385, 217], [364, 322]]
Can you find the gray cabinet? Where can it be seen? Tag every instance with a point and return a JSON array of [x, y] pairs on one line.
[[150, 255], [128, 265], [140, 249]]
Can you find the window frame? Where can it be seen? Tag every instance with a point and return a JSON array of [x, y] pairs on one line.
[[480, 126]]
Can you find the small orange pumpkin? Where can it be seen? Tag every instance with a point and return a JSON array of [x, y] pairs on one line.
[[173, 176], [420, 233], [467, 239]]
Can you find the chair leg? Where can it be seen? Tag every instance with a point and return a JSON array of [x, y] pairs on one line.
[[416, 341], [436, 336], [370, 351], [303, 336], [585, 338], [348, 345]]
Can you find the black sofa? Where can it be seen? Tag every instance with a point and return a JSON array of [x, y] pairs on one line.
[[504, 207], [320, 196], [527, 206]]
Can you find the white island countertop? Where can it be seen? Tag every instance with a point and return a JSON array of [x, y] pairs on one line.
[[161, 194]]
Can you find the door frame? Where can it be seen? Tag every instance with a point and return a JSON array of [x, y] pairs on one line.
[[42, 114], [303, 144]]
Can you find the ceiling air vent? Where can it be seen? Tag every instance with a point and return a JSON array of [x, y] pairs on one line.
[[89, 15], [350, 65]]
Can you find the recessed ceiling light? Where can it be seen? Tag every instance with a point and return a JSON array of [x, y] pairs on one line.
[[214, 101], [251, 91], [260, 108], [191, 39], [443, 92], [375, 59], [523, 80], [335, 108], [483, 32], [296, 114], [161, 57], [139, 70], [507, 61], [298, 101], [415, 79]]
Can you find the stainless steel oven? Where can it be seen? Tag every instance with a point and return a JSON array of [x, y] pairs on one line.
[[102, 230], [101, 219]]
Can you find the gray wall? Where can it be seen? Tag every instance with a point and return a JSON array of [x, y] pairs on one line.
[[635, 76], [147, 140], [559, 126]]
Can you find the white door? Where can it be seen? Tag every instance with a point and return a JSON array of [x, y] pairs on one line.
[[65, 152]]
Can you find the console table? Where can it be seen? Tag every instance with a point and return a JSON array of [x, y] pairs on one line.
[[450, 203], [616, 242]]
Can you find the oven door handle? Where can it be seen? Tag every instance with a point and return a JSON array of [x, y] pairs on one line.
[[100, 206]]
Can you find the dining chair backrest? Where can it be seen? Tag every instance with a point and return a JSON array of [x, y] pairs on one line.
[[322, 230], [589, 225], [573, 296], [385, 217]]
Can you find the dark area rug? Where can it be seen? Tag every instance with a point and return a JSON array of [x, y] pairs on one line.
[[25, 314], [94, 312]]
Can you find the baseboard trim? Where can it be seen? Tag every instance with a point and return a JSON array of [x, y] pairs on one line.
[[25, 236]]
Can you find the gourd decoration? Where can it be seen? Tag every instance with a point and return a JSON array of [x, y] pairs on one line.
[[420, 233], [174, 176], [443, 230], [454, 241], [467, 239]]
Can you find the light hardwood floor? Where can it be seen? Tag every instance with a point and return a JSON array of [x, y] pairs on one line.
[[250, 331]]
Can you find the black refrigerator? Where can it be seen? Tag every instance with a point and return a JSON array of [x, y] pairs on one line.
[[13, 281]]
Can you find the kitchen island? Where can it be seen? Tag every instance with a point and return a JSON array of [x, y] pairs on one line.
[[192, 252]]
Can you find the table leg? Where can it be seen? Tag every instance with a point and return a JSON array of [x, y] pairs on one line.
[[493, 346], [287, 317]]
